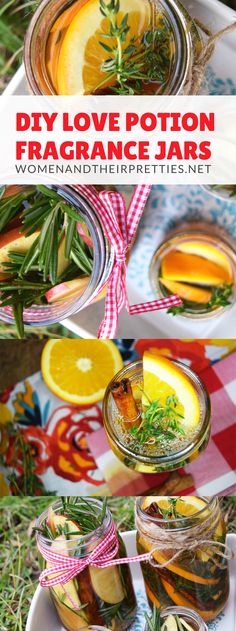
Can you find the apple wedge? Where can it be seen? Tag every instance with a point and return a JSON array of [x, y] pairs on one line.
[[55, 522], [66, 290], [107, 584], [14, 241], [66, 596]]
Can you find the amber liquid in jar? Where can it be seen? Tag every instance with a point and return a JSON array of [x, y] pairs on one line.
[[198, 578]]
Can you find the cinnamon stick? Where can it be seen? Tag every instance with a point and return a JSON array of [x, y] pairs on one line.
[[125, 402]]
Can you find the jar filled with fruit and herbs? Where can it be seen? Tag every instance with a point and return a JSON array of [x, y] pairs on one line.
[[199, 265], [157, 414], [188, 565], [55, 258], [174, 619], [103, 597], [102, 47]]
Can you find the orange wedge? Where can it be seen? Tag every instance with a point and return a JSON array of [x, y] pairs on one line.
[[78, 371], [208, 252], [81, 54], [187, 292], [181, 601], [191, 268], [162, 378]]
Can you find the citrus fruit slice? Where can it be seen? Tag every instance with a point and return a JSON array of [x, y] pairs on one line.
[[187, 292], [81, 54], [191, 268], [78, 371], [181, 601], [208, 252], [162, 378]]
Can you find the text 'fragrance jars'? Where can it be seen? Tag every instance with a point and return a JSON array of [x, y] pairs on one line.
[[188, 564]]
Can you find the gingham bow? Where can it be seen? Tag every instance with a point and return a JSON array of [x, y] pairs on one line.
[[62, 568], [120, 226]]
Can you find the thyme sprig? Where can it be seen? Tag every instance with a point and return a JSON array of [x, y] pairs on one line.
[[132, 60], [220, 298], [159, 421]]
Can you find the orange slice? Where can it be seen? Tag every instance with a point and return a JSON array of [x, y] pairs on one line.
[[81, 55], [78, 371], [187, 292], [181, 601], [162, 378], [191, 268], [208, 252]]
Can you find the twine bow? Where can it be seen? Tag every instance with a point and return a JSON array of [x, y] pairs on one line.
[[121, 226]]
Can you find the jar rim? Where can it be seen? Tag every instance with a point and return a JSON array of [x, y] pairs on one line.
[[82, 539], [185, 611], [210, 502], [183, 453]]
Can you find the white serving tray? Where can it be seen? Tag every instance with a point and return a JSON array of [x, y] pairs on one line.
[[222, 80], [42, 614]]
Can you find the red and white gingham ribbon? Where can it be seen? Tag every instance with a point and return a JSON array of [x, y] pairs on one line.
[[120, 226], [63, 568]]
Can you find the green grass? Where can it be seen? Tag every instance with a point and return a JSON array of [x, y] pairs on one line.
[[14, 19], [18, 554]]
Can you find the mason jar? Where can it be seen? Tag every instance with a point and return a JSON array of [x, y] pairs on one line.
[[204, 236], [103, 257], [104, 597], [185, 568], [225, 192], [189, 616], [40, 62], [151, 458]]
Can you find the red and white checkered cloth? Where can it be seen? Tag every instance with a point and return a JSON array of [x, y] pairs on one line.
[[214, 471]]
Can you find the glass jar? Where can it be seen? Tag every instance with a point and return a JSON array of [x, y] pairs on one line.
[[44, 315], [186, 42], [196, 305], [104, 596], [197, 578], [147, 458], [191, 617], [224, 191]]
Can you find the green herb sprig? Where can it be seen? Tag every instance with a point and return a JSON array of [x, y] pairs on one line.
[[155, 622], [133, 61], [220, 298], [33, 273], [159, 422]]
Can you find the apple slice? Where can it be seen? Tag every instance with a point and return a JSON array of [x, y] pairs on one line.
[[84, 233], [66, 596], [107, 584], [56, 521], [66, 290], [14, 241]]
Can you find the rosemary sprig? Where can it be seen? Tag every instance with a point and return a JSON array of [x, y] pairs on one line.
[[220, 298], [51, 219], [159, 422], [132, 60], [156, 622]]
